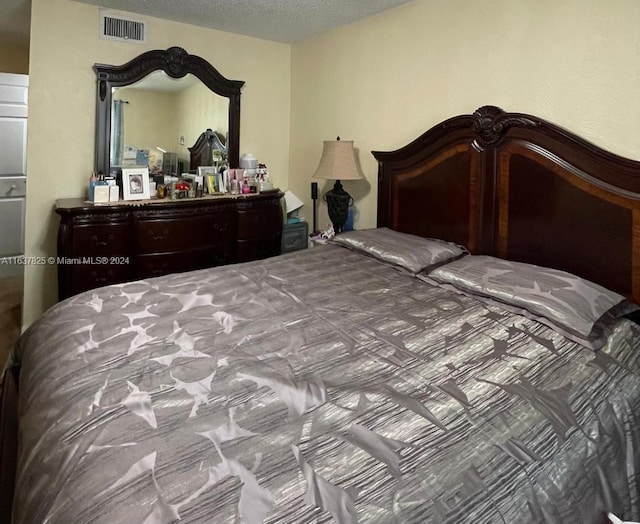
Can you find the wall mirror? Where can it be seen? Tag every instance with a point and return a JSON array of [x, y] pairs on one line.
[[160, 102]]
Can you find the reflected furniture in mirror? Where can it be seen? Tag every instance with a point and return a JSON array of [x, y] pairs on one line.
[[185, 89], [202, 152]]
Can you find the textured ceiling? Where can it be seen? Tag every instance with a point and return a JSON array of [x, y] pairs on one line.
[[285, 21]]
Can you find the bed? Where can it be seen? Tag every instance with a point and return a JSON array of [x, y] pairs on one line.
[[358, 381]]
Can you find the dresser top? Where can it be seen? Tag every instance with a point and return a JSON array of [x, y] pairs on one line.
[[78, 204]]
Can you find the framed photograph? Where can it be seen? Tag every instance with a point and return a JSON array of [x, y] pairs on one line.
[[215, 184], [135, 183], [207, 172]]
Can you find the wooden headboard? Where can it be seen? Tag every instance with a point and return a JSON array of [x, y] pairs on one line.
[[517, 187]]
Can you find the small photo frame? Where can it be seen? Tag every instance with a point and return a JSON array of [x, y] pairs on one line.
[[135, 183], [206, 172], [214, 182], [210, 184]]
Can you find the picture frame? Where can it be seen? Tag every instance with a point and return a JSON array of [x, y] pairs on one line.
[[214, 181], [210, 184], [215, 184], [135, 183], [206, 172]]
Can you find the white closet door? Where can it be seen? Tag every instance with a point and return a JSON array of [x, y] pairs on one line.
[[13, 124], [11, 218], [13, 146]]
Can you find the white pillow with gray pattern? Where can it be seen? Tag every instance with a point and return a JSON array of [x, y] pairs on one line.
[[579, 309], [410, 252]]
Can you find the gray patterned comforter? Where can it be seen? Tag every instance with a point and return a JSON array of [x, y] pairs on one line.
[[320, 386]]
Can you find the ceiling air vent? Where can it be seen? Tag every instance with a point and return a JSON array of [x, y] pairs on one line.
[[117, 27]]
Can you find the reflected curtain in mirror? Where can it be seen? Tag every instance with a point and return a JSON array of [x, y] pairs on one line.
[[117, 132]]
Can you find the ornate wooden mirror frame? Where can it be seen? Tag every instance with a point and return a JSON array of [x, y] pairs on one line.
[[176, 63]]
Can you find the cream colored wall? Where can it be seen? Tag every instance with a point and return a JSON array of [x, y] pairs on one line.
[[383, 81], [14, 57], [64, 46], [150, 119]]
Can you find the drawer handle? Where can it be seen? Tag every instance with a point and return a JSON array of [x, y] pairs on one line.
[[100, 243], [158, 236], [99, 279], [159, 271]]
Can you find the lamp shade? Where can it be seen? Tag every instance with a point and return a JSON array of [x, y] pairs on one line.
[[338, 161], [292, 202]]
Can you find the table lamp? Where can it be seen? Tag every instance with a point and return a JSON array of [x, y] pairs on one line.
[[338, 162]]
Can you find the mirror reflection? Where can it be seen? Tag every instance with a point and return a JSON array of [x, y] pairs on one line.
[[155, 120], [173, 117]]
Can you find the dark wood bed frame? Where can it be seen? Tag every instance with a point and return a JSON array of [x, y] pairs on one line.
[[505, 184], [518, 187]]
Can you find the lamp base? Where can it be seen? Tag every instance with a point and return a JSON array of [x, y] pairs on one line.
[[338, 202]]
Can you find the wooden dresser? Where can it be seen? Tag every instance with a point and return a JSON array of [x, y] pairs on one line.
[[102, 244]]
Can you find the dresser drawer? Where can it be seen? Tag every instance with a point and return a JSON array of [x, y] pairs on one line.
[[175, 234], [258, 248], [155, 265], [258, 222], [91, 276], [101, 240]]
